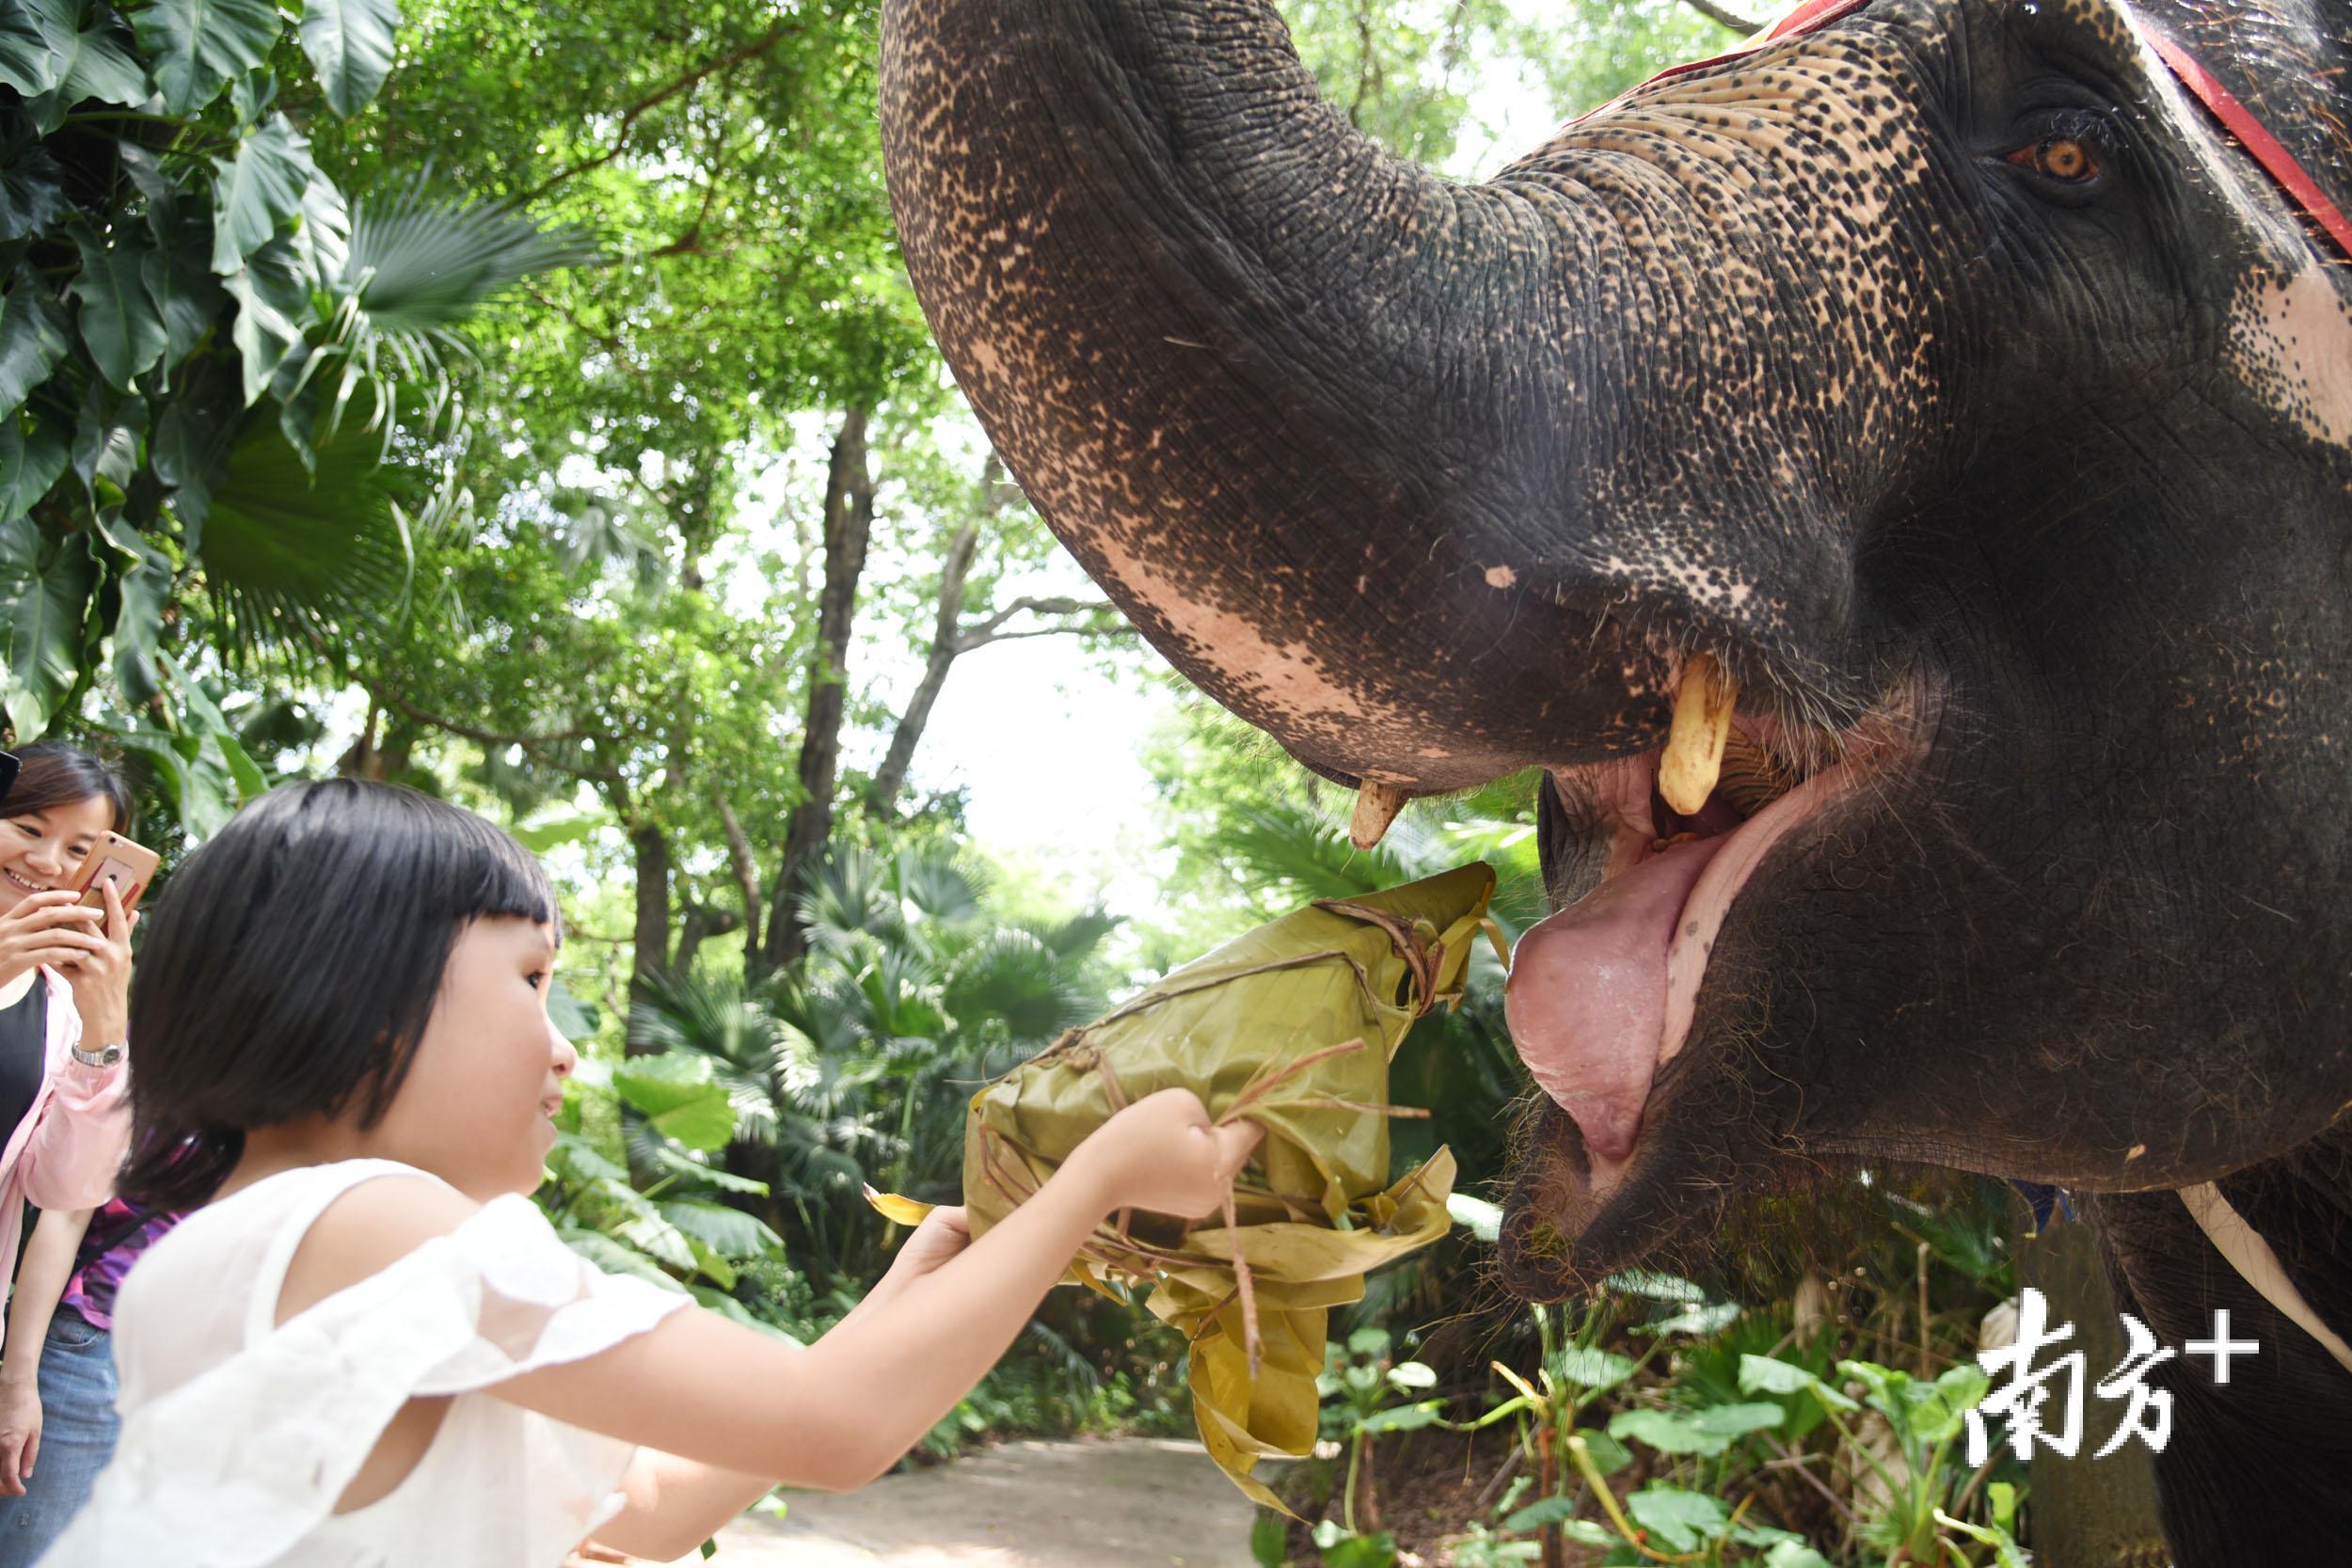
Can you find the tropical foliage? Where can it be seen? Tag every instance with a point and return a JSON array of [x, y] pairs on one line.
[[210, 348]]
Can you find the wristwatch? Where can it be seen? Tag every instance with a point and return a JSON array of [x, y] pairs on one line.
[[105, 1056]]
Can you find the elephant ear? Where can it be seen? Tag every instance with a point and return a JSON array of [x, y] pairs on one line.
[[2289, 61]]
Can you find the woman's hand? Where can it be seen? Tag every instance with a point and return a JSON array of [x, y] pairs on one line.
[[101, 977], [19, 1432], [1163, 1154], [49, 928]]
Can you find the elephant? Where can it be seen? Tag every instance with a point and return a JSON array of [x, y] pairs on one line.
[[1894, 481]]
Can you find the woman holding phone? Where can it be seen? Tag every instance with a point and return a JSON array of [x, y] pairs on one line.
[[65, 976]]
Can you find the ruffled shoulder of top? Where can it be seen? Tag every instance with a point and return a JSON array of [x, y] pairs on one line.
[[237, 1462]]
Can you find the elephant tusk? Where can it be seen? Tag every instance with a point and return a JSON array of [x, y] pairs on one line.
[[1376, 805], [2246, 1251], [1694, 746]]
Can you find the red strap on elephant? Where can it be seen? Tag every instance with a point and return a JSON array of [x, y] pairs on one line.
[[2220, 101], [2239, 121]]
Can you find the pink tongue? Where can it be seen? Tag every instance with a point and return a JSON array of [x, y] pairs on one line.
[[1587, 995]]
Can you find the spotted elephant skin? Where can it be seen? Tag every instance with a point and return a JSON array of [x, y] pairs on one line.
[[1942, 379]]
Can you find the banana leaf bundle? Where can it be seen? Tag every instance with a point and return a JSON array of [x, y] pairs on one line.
[[1290, 1026]]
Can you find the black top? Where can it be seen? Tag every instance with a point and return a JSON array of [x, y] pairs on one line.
[[24, 1053]]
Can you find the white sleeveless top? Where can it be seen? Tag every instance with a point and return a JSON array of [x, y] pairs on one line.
[[238, 1435]]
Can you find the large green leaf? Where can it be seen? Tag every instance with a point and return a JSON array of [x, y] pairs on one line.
[[96, 62], [686, 1168], [188, 774], [120, 324], [105, 450], [272, 302], [30, 193], [730, 1233], [269, 325], [256, 190], [1669, 1432], [681, 1095], [657, 1239], [574, 1016], [1561, 1513], [32, 341], [1923, 1413], [36, 43], [1738, 1420], [613, 1256], [197, 46], [145, 587], [1590, 1367], [1763, 1374], [1360, 1551], [42, 602], [575, 1159], [322, 236], [350, 45], [1681, 1519], [193, 439], [296, 552], [29, 464], [183, 287]]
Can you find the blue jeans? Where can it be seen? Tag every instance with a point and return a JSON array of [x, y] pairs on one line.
[[78, 1426]]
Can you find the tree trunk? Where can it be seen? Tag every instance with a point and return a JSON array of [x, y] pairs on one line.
[[702, 923], [360, 760], [746, 877], [947, 643], [652, 930], [848, 522]]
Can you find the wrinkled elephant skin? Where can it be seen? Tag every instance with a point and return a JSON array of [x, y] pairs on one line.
[[1947, 376]]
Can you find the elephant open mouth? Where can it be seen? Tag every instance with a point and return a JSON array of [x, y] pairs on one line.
[[1603, 994]]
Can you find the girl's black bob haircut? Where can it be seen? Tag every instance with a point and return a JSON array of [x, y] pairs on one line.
[[292, 966]]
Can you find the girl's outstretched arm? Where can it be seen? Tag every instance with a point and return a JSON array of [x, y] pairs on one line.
[[748, 1410]]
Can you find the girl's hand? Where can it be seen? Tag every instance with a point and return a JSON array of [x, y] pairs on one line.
[[943, 1233], [19, 1432], [1164, 1154], [101, 977], [49, 928]]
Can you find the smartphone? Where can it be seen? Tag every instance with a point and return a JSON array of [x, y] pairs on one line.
[[130, 866]]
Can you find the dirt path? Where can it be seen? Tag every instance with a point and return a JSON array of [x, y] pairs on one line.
[[1134, 1502]]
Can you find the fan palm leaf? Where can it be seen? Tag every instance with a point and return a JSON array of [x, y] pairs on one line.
[[847, 897], [1012, 986], [933, 880], [422, 260], [419, 261], [300, 554]]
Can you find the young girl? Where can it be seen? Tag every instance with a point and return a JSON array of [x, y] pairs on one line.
[[369, 1347], [65, 976]]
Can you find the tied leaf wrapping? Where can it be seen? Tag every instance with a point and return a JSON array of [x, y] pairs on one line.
[[1290, 1026]]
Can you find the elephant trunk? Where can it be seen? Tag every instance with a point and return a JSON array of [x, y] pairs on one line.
[[1332, 431]]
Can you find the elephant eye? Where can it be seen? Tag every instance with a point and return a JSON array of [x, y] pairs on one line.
[[2069, 153], [2066, 159]]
